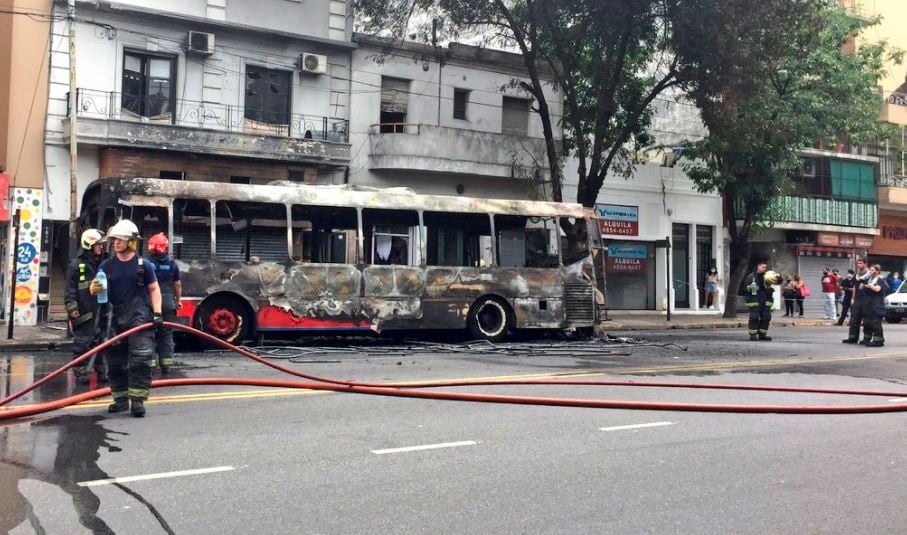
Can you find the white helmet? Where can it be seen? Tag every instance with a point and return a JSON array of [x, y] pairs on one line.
[[124, 230], [90, 237]]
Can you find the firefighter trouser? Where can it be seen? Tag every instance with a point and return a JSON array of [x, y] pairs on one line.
[[83, 339], [129, 361], [872, 322], [860, 312], [163, 338], [760, 317]]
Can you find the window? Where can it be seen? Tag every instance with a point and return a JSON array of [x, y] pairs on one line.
[[394, 104], [325, 234], [392, 237], [191, 229], [574, 240], [268, 95], [527, 241], [150, 220], [458, 239], [247, 229], [515, 116], [148, 85], [172, 175], [461, 97], [852, 180]]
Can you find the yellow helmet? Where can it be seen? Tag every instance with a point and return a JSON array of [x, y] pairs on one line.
[[772, 277]]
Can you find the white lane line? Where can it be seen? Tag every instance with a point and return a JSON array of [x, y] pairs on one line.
[[162, 475], [635, 426], [426, 447], [897, 400]]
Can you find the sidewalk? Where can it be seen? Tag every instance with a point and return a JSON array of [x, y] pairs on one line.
[[632, 320], [51, 335]]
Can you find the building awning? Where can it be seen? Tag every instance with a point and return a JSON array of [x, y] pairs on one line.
[[813, 250]]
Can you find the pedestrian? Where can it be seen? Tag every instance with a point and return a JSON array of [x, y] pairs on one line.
[[168, 278], [759, 299], [847, 287], [81, 307], [873, 305], [839, 293], [856, 311], [789, 292], [711, 289], [802, 292], [135, 298], [829, 290], [895, 283]]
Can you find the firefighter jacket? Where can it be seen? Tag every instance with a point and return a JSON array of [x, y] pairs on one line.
[[81, 272], [756, 292]]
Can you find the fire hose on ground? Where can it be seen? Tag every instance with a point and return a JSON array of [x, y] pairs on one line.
[[422, 390]]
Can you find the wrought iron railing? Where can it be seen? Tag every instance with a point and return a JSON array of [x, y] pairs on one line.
[[822, 211], [110, 105]]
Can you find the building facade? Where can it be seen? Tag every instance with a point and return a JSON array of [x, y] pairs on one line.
[[24, 55], [232, 91]]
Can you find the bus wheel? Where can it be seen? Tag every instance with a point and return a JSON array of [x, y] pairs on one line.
[[224, 317], [490, 319]]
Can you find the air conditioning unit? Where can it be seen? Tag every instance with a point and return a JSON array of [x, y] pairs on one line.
[[200, 43], [808, 169], [313, 63]]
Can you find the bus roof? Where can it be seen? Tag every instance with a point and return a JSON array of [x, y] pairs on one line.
[[340, 196]]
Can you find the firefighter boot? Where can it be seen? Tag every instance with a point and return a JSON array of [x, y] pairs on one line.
[[754, 338], [765, 337], [876, 342], [118, 405], [850, 341], [138, 407]]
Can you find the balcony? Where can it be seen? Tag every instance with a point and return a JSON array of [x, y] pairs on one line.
[[823, 214], [202, 127], [439, 149], [894, 110]]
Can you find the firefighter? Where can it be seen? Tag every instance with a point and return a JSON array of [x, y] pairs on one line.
[[168, 278], [759, 297], [81, 307], [135, 296]]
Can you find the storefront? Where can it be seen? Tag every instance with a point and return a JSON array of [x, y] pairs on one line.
[[889, 249]]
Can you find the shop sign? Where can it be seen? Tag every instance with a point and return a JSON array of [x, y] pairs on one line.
[[847, 240], [863, 242], [827, 240], [626, 259], [894, 233], [616, 219]]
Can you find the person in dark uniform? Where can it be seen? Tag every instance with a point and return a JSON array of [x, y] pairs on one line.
[[873, 305], [856, 311], [168, 278], [760, 297], [847, 286], [81, 307], [135, 298]]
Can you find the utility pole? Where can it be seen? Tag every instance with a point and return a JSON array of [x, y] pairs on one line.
[[434, 43], [73, 141]]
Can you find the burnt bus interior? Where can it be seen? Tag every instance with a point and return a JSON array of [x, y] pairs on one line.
[[256, 231]]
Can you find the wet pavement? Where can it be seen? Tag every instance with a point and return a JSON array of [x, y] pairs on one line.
[[301, 463]]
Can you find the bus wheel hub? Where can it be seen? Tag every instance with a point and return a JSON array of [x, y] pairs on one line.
[[223, 322]]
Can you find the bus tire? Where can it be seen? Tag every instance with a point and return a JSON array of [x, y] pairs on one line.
[[490, 319], [225, 316]]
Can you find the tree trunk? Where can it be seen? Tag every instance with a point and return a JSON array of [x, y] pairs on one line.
[[740, 250]]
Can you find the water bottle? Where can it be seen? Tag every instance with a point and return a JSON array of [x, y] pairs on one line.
[[102, 278]]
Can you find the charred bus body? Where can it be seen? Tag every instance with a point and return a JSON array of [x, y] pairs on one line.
[[285, 257]]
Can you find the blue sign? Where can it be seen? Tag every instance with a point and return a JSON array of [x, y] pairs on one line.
[[26, 253], [617, 212], [617, 250], [23, 274]]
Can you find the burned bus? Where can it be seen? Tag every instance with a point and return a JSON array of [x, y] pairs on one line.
[[289, 258]]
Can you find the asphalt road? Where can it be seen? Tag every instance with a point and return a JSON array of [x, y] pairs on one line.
[[231, 460]]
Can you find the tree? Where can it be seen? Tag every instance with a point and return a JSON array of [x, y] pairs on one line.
[[610, 60], [769, 78]]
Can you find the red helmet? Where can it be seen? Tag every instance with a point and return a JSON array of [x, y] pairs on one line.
[[159, 243]]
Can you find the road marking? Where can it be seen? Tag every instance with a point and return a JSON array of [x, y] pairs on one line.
[[162, 475], [426, 447], [635, 426], [897, 400]]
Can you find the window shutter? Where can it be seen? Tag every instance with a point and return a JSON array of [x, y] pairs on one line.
[[515, 116], [394, 95]]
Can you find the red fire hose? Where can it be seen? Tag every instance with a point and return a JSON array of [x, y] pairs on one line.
[[416, 390]]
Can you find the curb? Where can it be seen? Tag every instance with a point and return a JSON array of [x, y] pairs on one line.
[[34, 346], [729, 324]]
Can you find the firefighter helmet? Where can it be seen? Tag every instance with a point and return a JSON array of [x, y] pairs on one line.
[[91, 237], [772, 277], [159, 243], [124, 230]]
